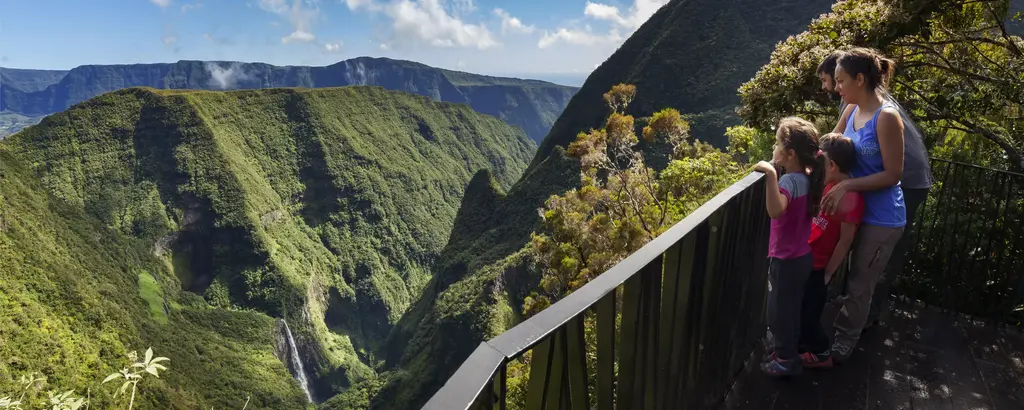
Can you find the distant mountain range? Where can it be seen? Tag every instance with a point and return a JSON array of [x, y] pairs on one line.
[[529, 104]]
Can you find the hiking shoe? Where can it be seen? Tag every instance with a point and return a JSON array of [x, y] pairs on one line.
[[817, 360], [781, 368], [841, 351]]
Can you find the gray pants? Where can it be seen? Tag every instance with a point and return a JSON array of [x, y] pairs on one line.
[[879, 304], [786, 280], [871, 253]]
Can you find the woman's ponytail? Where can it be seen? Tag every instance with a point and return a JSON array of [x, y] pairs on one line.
[[886, 69]]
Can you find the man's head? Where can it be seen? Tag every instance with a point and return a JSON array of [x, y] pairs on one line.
[[827, 71]]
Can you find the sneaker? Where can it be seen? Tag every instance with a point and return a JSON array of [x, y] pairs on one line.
[[841, 351], [816, 360], [768, 356], [781, 368]]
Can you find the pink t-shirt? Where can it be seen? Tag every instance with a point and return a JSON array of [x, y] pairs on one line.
[[791, 230]]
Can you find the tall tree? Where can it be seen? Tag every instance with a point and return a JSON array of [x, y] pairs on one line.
[[960, 71]]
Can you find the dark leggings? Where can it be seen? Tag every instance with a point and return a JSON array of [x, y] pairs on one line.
[[812, 334], [786, 279]]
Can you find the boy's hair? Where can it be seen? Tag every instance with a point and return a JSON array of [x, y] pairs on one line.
[[828, 65], [839, 150], [801, 136]]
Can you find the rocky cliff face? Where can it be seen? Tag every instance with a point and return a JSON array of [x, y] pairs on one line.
[[528, 104]]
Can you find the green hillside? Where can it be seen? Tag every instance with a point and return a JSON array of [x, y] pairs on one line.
[[76, 296], [325, 207], [529, 104], [690, 55]]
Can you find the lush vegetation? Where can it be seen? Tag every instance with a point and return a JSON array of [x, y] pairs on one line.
[[325, 206], [620, 206], [622, 203], [529, 104], [960, 72], [73, 303]]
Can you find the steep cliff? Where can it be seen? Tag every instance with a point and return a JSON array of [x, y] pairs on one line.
[[325, 207], [529, 104]]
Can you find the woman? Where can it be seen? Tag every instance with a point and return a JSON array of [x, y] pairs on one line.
[[875, 126], [916, 182]]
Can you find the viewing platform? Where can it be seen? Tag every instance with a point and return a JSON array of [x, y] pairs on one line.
[[922, 359], [680, 323]]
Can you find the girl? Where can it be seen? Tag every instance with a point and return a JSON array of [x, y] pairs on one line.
[[875, 127], [792, 202]]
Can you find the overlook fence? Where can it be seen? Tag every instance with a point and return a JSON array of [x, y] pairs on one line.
[[967, 251], [676, 320], [689, 303]]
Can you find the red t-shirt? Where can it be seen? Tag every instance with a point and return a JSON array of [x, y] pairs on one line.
[[825, 229]]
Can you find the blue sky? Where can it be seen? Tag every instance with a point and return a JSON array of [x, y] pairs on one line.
[[539, 38]]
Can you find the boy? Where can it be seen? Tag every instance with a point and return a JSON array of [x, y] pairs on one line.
[[831, 239]]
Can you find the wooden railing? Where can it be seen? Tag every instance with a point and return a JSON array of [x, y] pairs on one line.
[[668, 327]]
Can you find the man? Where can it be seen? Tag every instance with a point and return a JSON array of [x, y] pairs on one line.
[[917, 180]]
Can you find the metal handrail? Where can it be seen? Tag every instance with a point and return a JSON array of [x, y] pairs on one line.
[[465, 386]]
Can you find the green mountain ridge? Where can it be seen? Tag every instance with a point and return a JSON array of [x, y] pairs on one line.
[[326, 207], [76, 296], [689, 55], [529, 104]]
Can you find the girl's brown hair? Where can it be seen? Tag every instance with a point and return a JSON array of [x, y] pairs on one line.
[[876, 68], [801, 136]]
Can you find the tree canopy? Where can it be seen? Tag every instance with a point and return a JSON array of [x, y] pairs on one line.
[[960, 72]]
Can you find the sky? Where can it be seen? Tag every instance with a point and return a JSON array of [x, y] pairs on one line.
[[545, 39]]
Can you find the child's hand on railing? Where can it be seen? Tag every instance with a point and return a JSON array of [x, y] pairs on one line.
[[767, 168]]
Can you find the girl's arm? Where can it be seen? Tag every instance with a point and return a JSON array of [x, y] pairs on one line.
[[775, 201], [890, 142], [847, 231]]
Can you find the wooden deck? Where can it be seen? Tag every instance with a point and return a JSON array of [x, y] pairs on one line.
[[922, 359]]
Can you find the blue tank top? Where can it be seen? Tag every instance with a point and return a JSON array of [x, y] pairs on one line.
[[883, 207]]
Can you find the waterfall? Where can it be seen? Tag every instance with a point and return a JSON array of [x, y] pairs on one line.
[[300, 372]]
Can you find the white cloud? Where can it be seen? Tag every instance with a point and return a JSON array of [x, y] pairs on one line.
[[579, 37], [300, 14], [332, 47], [629, 22], [384, 47], [274, 6], [185, 8], [298, 35], [428, 22], [355, 4], [161, 3], [226, 78], [169, 40], [512, 24], [637, 15]]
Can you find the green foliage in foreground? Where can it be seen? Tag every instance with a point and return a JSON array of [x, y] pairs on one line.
[[324, 206], [622, 205], [72, 306], [960, 72]]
